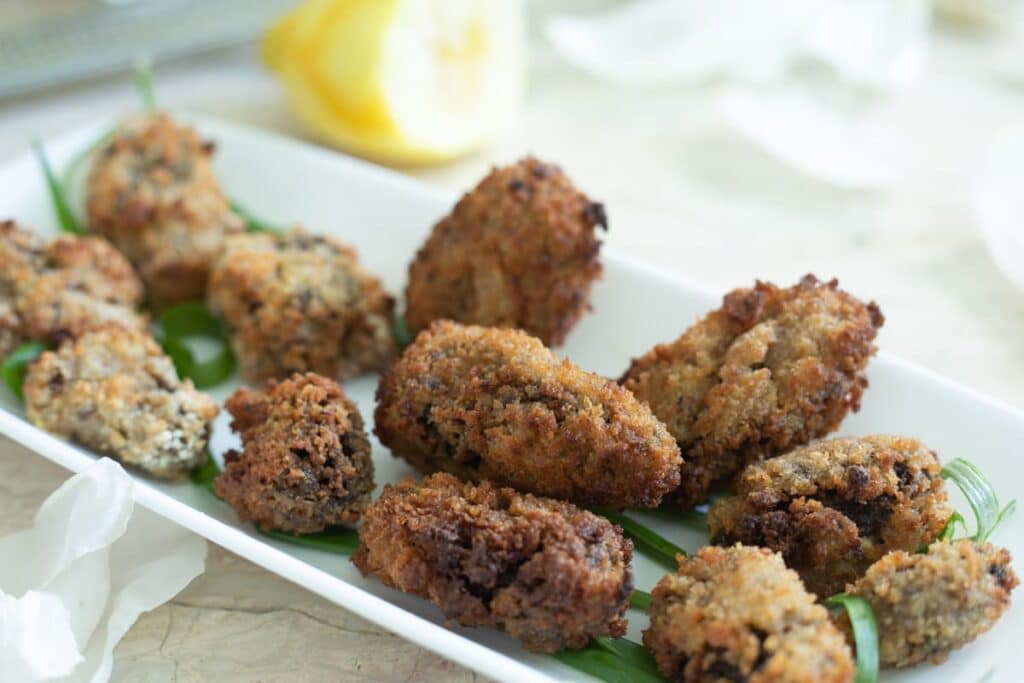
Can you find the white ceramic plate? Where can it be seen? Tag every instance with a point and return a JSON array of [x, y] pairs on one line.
[[386, 217]]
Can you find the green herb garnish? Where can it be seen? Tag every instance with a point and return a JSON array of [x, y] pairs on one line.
[[144, 84], [65, 216], [613, 660], [865, 634], [639, 599], [400, 331], [980, 495], [16, 365], [191, 319], [252, 223], [336, 539], [204, 476], [650, 543]]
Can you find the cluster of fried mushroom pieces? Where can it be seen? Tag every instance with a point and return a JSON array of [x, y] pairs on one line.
[[513, 441]]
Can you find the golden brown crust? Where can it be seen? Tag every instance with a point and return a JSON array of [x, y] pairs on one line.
[[519, 250], [301, 303], [489, 403], [771, 369], [928, 604], [59, 289], [151, 191], [738, 614], [834, 507], [305, 462], [114, 391], [551, 575]]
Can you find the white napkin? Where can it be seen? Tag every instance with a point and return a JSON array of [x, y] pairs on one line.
[[73, 584], [776, 59]]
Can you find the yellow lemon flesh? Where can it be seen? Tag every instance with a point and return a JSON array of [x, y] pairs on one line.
[[401, 81]]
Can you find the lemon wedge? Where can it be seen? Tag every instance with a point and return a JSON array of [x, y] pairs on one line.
[[401, 81]]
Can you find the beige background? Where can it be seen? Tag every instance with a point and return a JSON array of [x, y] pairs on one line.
[[681, 193]]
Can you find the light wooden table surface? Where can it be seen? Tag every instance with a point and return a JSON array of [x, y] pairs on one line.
[[682, 194]]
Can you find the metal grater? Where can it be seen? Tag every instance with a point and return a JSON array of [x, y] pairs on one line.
[[41, 47]]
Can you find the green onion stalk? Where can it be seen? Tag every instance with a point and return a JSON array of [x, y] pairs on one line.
[[191, 319], [61, 207], [655, 546], [16, 365], [980, 495], [865, 634]]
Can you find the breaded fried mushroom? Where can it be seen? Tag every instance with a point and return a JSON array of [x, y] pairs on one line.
[[551, 575], [151, 191], [305, 461], [928, 604], [738, 614], [834, 507], [771, 369], [114, 391], [489, 403], [301, 303], [52, 290], [519, 250]]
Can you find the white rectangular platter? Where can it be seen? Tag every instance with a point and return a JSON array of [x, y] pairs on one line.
[[386, 216]]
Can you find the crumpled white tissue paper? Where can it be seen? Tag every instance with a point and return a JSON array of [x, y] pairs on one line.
[[73, 584], [999, 203], [772, 56]]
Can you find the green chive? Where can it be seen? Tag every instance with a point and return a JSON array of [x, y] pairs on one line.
[[144, 84], [71, 171], [16, 365], [65, 216], [252, 223], [630, 652], [980, 495], [949, 530], [400, 331], [865, 634], [204, 476], [335, 540], [605, 665], [650, 543], [639, 599], [191, 319]]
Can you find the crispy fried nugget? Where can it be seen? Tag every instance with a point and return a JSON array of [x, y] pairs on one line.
[[519, 250], [151, 191], [834, 507], [928, 604], [738, 614], [551, 575], [299, 302], [52, 290], [771, 369], [305, 461], [488, 403], [113, 390]]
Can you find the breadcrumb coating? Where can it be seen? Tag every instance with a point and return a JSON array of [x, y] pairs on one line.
[[928, 604], [834, 507], [301, 303], [771, 369], [115, 392], [151, 190], [489, 403], [551, 575], [738, 614], [520, 250], [305, 462], [52, 290]]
